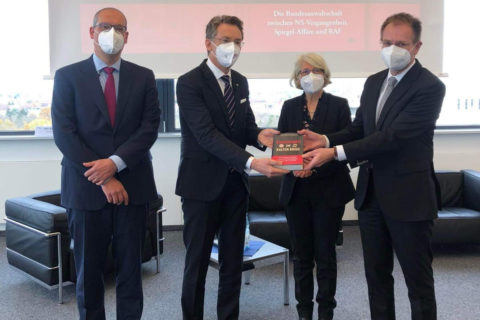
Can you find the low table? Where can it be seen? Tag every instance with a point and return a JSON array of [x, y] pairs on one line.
[[268, 250]]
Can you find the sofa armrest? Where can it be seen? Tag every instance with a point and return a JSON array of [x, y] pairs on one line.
[[39, 215], [156, 204], [471, 189]]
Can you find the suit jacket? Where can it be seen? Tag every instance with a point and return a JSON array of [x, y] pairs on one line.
[[83, 132], [210, 148], [333, 114], [399, 148]]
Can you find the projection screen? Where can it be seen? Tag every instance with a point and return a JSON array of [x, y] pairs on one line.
[[169, 36]]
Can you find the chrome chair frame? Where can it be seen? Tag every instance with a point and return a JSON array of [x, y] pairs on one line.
[[59, 266]]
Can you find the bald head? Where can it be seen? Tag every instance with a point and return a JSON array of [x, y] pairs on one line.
[[109, 12]]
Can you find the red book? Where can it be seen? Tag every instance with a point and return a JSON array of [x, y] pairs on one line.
[[288, 148]]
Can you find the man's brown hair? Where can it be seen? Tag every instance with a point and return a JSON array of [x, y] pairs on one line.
[[404, 18]]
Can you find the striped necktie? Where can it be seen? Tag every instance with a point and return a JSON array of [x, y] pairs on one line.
[[229, 100]]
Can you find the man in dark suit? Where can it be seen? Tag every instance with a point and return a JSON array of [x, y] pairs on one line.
[[105, 117], [217, 124], [397, 193]]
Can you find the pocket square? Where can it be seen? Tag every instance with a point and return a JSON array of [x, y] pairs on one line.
[[243, 100]]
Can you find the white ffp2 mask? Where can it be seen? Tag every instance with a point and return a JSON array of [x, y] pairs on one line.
[[111, 41], [312, 82], [227, 53], [396, 58]]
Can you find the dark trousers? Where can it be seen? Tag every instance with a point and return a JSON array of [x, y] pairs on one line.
[[313, 227], [411, 242], [92, 232], [226, 217]]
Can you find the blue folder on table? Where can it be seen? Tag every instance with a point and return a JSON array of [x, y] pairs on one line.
[[250, 250]]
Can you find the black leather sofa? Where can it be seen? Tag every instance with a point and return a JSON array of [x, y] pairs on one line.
[[38, 241], [458, 221]]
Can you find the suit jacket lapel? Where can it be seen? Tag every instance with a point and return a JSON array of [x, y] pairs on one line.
[[398, 92], [95, 88], [372, 104], [124, 86]]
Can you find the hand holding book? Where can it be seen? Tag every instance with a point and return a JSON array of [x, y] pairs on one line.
[[302, 173], [265, 137], [312, 140], [268, 167], [318, 157]]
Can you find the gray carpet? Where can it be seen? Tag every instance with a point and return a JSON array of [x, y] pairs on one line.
[[457, 276]]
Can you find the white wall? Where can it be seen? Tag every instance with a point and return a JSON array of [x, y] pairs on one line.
[[29, 165]]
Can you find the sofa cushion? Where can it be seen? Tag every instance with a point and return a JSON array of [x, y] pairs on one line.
[[270, 226], [259, 217], [458, 213], [52, 197], [451, 186], [456, 226], [471, 185], [264, 193]]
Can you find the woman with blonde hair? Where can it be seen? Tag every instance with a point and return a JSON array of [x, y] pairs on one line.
[[315, 199]]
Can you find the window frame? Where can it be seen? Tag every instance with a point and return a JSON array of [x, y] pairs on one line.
[[166, 97]]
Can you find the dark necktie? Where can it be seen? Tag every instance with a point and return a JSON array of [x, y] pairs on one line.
[[110, 96], [390, 85], [229, 100]]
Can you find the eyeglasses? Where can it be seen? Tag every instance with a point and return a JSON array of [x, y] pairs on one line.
[[306, 72], [239, 43], [400, 44], [107, 26]]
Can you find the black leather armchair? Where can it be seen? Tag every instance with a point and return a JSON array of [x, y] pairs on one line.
[[38, 241]]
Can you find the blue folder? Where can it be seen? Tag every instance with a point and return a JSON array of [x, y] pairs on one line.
[[250, 250]]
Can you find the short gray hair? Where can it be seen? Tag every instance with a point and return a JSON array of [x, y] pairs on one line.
[[316, 61], [212, 26], [95, 17]]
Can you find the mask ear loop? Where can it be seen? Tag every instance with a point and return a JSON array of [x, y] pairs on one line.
[[214, 51]]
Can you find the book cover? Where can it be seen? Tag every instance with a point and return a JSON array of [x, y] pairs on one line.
[[288, 148]]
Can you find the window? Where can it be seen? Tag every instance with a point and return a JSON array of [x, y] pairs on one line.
[[25, 96], [461, 106], [267, 96]]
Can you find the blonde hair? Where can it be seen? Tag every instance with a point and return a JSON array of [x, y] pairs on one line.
[[316, 61]]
